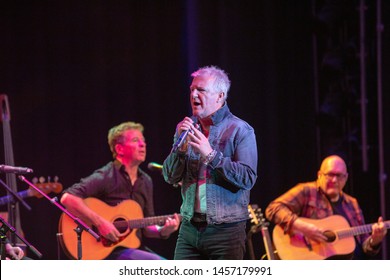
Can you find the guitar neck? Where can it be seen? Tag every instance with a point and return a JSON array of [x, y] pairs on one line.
[[145, 222], [358, 230], [8, 198]]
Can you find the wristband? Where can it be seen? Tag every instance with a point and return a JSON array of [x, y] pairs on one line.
[[159, 228], [375, 247], [209, 158], [163, 236]]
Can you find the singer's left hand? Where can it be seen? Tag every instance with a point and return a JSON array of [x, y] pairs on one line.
[[199, 142]]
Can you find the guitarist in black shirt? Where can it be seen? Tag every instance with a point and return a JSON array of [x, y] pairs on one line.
[[120, 185]]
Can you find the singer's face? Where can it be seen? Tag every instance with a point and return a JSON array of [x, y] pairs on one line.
[[204, 100], [133, 148]]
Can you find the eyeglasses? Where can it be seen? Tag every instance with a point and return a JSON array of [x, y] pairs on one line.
[[338, 176]]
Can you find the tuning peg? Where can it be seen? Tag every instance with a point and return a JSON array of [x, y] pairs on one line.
[[41, 179], [56, 179], [35, 180]]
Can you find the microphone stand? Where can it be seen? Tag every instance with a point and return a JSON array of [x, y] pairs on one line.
[[15, 195], [5, 227], [81, 226], [3, 235]]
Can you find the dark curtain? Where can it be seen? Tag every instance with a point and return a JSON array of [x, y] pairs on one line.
[[74, 69]]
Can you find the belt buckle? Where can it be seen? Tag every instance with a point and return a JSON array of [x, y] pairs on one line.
[[199, 218]]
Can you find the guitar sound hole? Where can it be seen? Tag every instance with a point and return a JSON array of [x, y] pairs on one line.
[[330, 236], [121, 225]]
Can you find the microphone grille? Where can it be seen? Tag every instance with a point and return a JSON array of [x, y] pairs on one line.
[[154, 166]]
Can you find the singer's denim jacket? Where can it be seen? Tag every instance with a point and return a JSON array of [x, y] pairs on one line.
[[230, 176]]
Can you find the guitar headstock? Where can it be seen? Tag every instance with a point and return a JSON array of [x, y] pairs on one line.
[[46, 187], [256, 215]]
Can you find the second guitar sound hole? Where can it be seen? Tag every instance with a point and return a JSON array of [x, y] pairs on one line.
[[330, 236]]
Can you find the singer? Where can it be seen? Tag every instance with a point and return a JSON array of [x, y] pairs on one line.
[[216, 166]]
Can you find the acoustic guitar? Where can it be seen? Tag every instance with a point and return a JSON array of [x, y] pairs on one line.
[[127, 218], [341, 241]]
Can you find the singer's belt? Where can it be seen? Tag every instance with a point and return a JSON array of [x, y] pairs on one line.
[[199, 218]]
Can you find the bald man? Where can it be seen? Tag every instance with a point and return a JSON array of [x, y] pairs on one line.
[[320, 199]]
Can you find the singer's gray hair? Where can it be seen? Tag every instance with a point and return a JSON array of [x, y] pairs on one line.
[[221, 79], [116, 134]]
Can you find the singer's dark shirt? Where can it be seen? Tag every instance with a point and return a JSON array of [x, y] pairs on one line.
[[112, 185]]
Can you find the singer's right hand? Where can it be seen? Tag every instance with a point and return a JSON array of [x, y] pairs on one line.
[[185, 124]]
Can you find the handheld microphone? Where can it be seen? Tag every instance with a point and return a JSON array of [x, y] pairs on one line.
[[180, 141], [155, 166], [16, 170]]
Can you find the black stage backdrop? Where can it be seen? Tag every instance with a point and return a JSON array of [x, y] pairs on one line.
[[73, 69]]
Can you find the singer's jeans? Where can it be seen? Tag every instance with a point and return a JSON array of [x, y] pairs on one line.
[[211, 242]]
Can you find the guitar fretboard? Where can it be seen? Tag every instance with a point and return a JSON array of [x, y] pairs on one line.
[[142, 223], [358, 230]]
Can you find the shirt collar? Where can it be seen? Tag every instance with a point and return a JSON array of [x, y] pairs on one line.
[[121, 168], [219, 115]]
